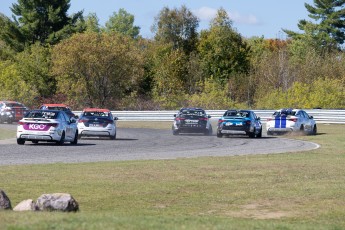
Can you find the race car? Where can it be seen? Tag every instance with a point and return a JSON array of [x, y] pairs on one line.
[[291, 120], [48, 126], [239, 122], [97, 122], [192, 120], [11, 111]]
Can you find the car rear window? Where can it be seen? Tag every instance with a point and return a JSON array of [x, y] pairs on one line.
[[234, 113], [14, 105], [284, 112], [193, 112], [42, 114]]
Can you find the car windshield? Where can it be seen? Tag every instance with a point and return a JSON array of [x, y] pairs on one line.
[[192, 112], [42, 114]]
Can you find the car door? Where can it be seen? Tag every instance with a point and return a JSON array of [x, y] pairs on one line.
[[68, 126]]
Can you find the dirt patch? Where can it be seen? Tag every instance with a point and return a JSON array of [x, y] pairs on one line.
[[258, 211]]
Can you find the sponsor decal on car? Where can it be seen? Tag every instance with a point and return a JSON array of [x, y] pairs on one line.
[[38, 127]]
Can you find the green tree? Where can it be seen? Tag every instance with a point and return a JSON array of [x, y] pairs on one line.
[[122, 22], [10, 35], [177, 26], [328, 30], [222, 50], [45, 21], [92, 23], [34, 68], [97, 69]]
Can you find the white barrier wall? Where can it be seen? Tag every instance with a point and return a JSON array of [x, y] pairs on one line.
[[320, 115]]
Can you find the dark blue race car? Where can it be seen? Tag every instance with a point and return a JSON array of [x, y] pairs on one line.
[[239, 122]]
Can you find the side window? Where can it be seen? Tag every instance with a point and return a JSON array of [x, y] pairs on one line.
[[62, 117]]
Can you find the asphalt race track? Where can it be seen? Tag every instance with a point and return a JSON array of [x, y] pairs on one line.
[[144, 144]]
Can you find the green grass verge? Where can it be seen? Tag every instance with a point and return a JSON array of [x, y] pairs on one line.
[[302, 190], [5, 134]]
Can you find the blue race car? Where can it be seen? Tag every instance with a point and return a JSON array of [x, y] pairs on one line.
[[239, 122]]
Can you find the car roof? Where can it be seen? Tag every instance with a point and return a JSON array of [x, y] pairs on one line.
[[12, 102], [96, 110], [55, 105]]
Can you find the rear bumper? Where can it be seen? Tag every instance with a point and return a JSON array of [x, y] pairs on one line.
[[31, 137], [90, 133]]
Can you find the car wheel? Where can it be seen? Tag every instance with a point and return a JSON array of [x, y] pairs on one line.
[[113, 137], [62, 139], [314, 131], [75, 140], [20, 141], [219, 134], [35, 142], [175, 132], [252, 134], [260, 133]]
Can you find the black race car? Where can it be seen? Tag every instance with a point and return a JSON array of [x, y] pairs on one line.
[[192, 120]]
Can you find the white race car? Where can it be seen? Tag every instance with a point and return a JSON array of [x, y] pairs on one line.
[[291, 120], [48, 126], [97, 122]]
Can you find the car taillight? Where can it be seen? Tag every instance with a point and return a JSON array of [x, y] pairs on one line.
[[82, 121], [220, 121], [21, 123], [293, 119], [54, 124], [203, 119], [180, 119], [248, 122], [269, 119]]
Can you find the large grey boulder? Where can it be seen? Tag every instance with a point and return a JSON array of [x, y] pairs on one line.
[[25, 205], [57, 202], [5, 202]]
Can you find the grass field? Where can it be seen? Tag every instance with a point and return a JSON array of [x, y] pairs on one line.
[[304, 190]]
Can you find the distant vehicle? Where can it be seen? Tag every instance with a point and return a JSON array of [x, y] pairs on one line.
[[291, 120], [11, 111], [192, 120], [62, 107], [239, 122], [48, 126], [97, 122]]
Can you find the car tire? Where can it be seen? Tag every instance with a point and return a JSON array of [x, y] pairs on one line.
[[62, 139], [113, 137], [260, 133], [208, 132], [75, 140], [219, 134], [34, 142], [314, 130], [175, 132], [252, 134], [20, 141]]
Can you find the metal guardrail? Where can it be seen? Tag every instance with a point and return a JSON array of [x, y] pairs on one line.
[[320, 115]]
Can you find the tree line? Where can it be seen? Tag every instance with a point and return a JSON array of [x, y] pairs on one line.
[[47, 55]]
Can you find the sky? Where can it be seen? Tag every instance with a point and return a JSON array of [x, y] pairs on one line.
[[250, 18]]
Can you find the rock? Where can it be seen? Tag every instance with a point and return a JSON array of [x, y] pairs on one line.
[[25, 205], [57, 202], [5, 202]]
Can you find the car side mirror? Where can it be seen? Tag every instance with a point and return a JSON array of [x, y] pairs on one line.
[[116, 118], [259, 118], [76, 117], [174, 115], [311, 117], [209, 116], [72, 120]]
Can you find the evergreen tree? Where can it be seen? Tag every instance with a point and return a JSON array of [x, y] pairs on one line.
[[45, 21], [328, 30]]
